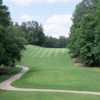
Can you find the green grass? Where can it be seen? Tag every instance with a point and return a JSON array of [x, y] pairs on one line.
[[53, 69], [44, 96]]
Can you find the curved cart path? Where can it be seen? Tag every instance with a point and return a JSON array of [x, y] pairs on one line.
[[6, 85]]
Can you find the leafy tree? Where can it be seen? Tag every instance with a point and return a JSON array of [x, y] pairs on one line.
[[10, 44], [62, 41], [4, 15], [85, 32], [33, 32], [52, 42]]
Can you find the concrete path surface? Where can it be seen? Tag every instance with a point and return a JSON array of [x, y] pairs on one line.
[[6, 85]]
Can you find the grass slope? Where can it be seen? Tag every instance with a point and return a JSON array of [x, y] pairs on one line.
[[53, 69]]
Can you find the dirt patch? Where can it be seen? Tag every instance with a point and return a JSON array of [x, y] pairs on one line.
[[77, 62]]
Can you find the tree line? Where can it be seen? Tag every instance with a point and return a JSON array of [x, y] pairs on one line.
[[32, 32], [51, 42], [84, 41]]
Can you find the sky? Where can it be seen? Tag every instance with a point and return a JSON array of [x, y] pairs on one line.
[[54, 15]]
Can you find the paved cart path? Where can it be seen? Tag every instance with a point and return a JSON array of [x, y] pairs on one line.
[[7, 85]]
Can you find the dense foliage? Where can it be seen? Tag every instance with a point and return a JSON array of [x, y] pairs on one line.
[[10, 44], [85, 32], [52, 42], [32, 32]]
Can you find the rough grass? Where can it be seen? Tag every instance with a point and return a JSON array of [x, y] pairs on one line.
[[53, 69]]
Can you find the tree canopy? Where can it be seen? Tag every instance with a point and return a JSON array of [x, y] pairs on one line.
[[85, 32], [33, 32], [10, 44], [52, 42]]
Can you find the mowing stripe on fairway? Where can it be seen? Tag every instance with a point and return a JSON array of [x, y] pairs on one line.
[[33, 52], [63, 51], [44, 53], [29, 51], [40, 53], [53, 53], [37, 52], [56, 52], [50, 53]]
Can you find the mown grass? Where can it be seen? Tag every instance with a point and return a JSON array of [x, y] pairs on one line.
[[54, 69], [44, 96]]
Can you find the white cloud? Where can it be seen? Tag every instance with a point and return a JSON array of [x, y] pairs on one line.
[[29, 2], [22, 2], [57, 25], [26, 17], [23, 18]]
